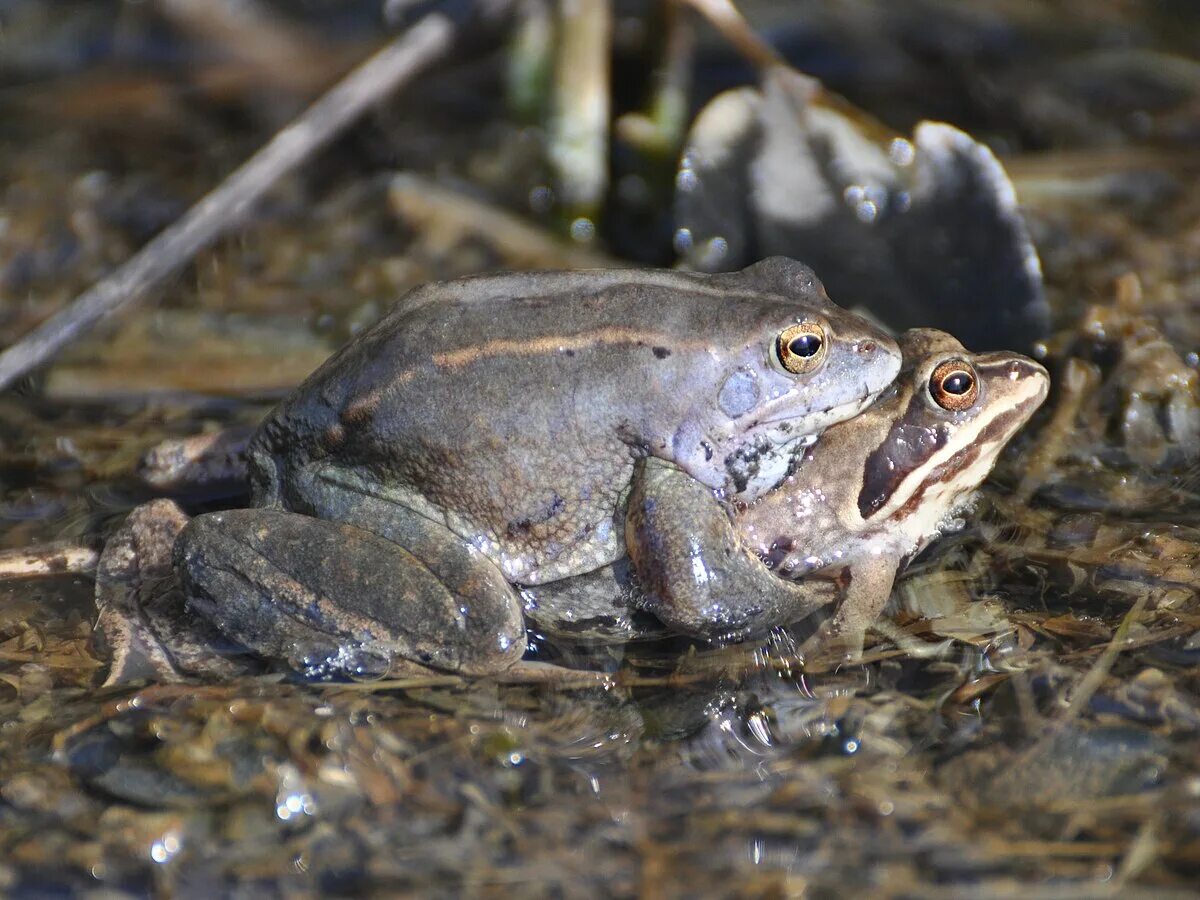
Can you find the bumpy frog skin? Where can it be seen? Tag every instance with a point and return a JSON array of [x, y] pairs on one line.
[[869, 495], [488, 433]]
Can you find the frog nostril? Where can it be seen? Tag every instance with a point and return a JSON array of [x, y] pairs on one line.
[[867, 347]]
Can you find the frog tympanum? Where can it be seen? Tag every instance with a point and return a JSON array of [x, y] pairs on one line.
[[488, 433]]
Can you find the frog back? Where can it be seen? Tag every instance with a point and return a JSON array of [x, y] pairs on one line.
[[514, 407]]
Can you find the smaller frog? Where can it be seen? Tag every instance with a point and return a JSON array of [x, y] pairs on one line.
[[866, 498]]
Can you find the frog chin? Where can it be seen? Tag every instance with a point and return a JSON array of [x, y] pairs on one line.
[[769, 451], [757, 467], [751, 460]]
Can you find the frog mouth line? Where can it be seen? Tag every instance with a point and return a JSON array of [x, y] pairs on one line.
[[839, 413]]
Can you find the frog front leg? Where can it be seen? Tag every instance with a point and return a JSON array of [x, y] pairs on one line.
[[867, 585], [333, 598], [697, 575]]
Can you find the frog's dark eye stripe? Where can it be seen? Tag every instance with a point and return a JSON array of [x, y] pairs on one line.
[[954, 386], [801, 348]]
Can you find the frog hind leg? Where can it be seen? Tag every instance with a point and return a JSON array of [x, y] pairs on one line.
[[332, 598], [697, 576]]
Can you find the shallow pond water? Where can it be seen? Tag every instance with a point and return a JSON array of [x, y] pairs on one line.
[[1026, 719]]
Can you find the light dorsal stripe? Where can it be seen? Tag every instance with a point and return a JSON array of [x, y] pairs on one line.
[[557, 343]]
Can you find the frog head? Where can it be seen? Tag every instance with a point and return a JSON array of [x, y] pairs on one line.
[[805, 364], [940, 434]]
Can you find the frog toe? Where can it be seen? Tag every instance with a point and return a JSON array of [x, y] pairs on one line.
[[143, 626]]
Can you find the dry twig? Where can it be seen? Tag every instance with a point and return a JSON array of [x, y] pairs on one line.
[[40, 562], [440, 212], [227, 206]]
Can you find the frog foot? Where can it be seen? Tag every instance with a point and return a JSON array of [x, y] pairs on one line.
[[144, 625]]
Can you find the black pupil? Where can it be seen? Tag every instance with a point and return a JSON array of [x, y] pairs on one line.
[[804, 345], [957, 383]]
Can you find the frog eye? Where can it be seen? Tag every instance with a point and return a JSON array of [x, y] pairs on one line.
[[801, 348], [954, 385]]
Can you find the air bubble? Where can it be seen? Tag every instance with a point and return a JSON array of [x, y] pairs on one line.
[[583, 230], [901, 152], [683, 240]]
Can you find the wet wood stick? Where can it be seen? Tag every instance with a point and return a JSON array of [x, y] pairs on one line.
[[226, 206]]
